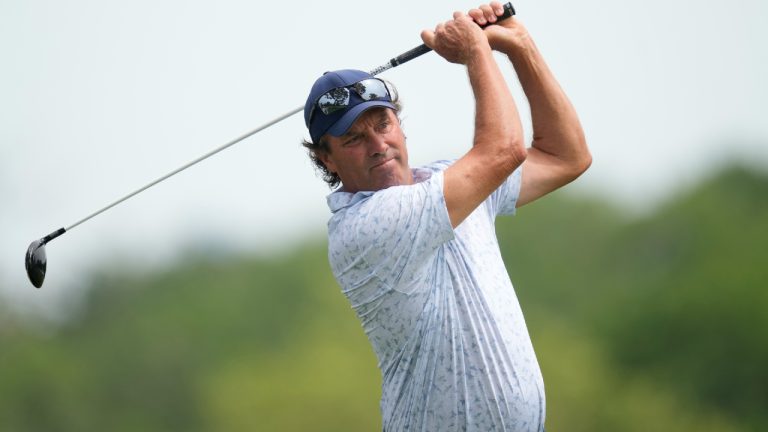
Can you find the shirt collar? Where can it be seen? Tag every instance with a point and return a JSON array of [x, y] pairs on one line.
[[341, 199]]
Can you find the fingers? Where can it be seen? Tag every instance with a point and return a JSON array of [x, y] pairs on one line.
[[487, 13], [478, 16], [428, 36], [498, 8], [455, 40]]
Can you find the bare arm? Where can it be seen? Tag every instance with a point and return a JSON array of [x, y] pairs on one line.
[[559, 152], [498, 147]]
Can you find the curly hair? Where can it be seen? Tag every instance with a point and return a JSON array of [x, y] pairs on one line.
[[313, 149]]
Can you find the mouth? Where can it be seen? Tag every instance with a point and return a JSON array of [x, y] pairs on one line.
[[382, 163]]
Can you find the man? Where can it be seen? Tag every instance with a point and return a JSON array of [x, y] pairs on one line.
[[415, 250]]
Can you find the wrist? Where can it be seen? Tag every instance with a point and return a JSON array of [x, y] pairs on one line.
[[479, 53], [518, 48], [510, 40]]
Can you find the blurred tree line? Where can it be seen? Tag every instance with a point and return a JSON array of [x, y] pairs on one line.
[[640, 324]]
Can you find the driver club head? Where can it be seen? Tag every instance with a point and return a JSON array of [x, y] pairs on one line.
[[35, 262]]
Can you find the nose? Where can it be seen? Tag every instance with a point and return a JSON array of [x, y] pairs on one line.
[[377, 146]]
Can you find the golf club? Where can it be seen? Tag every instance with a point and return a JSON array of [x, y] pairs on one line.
[[36, 260]]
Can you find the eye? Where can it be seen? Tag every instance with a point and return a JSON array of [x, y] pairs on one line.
[[352, 140], [384, 125]]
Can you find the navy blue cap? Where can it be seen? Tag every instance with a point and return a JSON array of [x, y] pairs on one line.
[[337, 123]]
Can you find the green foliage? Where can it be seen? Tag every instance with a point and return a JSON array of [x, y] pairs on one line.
[[651, 324], [209, 345], [674, 303], [700, 322]]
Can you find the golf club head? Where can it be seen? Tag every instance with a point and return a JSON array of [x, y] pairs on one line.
[[36, 262]]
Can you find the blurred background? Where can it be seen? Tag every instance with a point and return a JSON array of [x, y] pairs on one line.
[[206, 303]]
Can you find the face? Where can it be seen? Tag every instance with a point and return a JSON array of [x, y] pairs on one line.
[[372, 155]]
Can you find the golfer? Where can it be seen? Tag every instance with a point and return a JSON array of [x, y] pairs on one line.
[[414, 249]]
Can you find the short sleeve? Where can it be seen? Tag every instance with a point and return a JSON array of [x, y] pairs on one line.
[[503, 200]]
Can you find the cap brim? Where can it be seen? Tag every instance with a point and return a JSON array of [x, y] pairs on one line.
[[345, 122]]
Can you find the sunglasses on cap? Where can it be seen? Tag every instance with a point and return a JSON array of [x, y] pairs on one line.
[[338, 98]]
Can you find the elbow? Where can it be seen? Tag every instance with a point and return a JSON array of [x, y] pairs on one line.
[[584, 162], [585, 156], [514, 147], [581, 162], [503, 150], [514, 152]]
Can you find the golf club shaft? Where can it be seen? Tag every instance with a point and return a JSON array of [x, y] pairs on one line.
[[397, 61], [187, 165]]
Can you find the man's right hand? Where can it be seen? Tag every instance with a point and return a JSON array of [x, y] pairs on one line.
[[457, 40]]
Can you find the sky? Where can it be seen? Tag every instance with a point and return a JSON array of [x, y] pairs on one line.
[[98, 98]]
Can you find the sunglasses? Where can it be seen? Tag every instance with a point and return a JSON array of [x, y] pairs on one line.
[[338, 98]]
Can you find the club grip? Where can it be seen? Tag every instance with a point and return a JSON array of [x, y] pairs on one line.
[[509, 10], [410, 55]]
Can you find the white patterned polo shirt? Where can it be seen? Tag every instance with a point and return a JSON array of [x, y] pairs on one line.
[[438, 307]]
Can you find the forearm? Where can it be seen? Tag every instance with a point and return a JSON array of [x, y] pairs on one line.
[[498, 146], [556, 128], [498, 130], [559, 152]]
